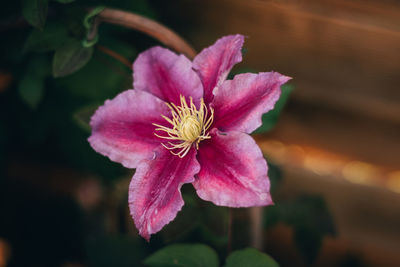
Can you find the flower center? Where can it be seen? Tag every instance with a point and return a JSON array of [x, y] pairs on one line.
[[188, 126]]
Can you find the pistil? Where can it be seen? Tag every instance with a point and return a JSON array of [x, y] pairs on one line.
[[188, 126]]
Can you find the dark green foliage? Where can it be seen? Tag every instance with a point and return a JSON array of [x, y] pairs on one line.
[[270, 119], [183, 255], [82, 116], [53, 36], [89, 22], [198, 255], [99, 80], [35, 12], [64, 1], [198, 220], [31, 88], [115, 251], [70, 57], [32, 84], [310, 218], [250, 257], [38, 129], [275, 176]]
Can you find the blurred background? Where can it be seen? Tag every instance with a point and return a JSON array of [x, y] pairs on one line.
[[334, 152]]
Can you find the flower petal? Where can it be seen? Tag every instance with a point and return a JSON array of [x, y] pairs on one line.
[[240, 103], [166, 75], [233, 171], [154, 192], [122, 128], [214, 63]]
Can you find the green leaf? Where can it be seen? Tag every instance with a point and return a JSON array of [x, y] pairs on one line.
[[35, 12], [70, 58], [183, 255], [82, 116], [96, 81], [31, 88], [64, 1], [271, 118], [31, 85], [115, 251], [88, 19], [52, 37], [310, 218], [250, 257], [89, 22]]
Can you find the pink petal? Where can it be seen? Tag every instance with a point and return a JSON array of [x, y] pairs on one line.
[[233, 171], [154, 192], [166, 75], [240, 103], [122, 128], [214, 63]]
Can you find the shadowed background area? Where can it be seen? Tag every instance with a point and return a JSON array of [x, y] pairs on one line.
[[334, 151]]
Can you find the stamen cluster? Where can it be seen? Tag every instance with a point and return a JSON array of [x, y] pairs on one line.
[[189, 126]]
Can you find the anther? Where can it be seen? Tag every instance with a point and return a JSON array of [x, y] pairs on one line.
[[188, 126]]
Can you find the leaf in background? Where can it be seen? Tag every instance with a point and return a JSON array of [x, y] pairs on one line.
[[250, 257], [88, 19], [31, 88], [310, 218], [115, 251], [82, 116], [98, 80], [123, 48], [91, 22], [275, 177], [271, 118], [31, 85], [70, 58], [35, 12], [52, 37], [198, 220], [183, 255], [185, 222], [64, 1]]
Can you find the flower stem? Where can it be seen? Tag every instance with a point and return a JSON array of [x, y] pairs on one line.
[[149, 27], [256, 227], [230, 219], [115, 55]]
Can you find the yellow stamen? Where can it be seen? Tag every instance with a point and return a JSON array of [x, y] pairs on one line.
[[189, 126]]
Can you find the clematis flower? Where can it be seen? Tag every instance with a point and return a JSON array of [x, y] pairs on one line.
[[185, 123]]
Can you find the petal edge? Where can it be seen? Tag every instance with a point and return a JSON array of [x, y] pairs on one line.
[[154, 191], [166, 75], [239, 178], [214, 63], [240, 103], [122, 128]]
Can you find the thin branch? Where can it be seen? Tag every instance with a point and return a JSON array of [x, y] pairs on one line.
[[230, 219], [150, 27], [256, 227], [115, 55]]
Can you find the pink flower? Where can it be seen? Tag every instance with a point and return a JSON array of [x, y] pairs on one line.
[[185, 123]]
